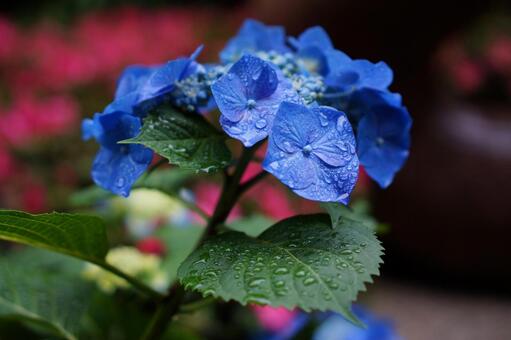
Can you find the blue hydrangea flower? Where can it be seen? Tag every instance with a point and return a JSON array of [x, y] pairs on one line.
[[161, 82], [116, 166], [312, 47], [248, 97], [335, 327], [193, 93], [312, 151], [132, 79], [383, 135], [254, 36], [347, 75]]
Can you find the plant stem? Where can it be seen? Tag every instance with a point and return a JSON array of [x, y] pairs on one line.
[[193, 306], [133, 281], [195, 208], [230, 192], [170, 305], [251, 182]]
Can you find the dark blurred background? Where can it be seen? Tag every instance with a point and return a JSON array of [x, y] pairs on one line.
[[449, 209]]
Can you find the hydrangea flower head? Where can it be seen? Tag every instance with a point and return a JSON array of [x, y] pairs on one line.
[[312, 151], [383, 135], [248, 97], [254, 36]]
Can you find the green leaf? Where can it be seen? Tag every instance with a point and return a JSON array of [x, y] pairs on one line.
[[252, 225], [179, 242], [80, 236], [168, 181], [44, 291], [359, 211], [302, 261], [185, 139]]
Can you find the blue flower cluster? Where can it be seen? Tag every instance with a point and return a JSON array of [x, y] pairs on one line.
[[322, 112]]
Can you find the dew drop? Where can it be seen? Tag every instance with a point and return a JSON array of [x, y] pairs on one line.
[[300, 273], [281, 270], [261, 123], [309, 281], [256, 282]]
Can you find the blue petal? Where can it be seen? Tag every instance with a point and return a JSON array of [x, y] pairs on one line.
[[258, 77], [314, 36], [132, 79], [91, 128], [301, 152], [230, 98], [376, 76], [383, 141], [248, 97], [117, 126], [349, 75], [163, 80], [312, 47], [118, 169], [254, 36]]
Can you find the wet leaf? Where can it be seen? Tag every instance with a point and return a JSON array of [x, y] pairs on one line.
[[302, 262], [185, 139]]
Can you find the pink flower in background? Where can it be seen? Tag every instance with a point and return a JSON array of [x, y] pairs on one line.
[[207, 195], [151, 245], [274, 319], [498, 54], [7, 165], [8, 38], [34, 198], [29, 119], [467, 75]]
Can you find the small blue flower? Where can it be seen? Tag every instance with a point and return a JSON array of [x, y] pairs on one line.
[[347, 75], [132, 79], [312, 151], [116, 166], [248, 97], [312, 47], [254, 36], [162, 81], [335, 327], [383, 134]]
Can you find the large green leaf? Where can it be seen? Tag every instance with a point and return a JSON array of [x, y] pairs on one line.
[[302, 261], [168, 181], [252, 225], [80, 236], [185, 139], [44, 291]]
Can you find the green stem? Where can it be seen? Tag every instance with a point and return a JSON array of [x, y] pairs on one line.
[[170, 305], [189, 205], [167, 308], [196, 305], [230, 192], [142, 287]]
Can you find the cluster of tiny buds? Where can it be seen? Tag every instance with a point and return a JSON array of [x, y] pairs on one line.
[[285, 62], [194, 92], [310, 87]]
